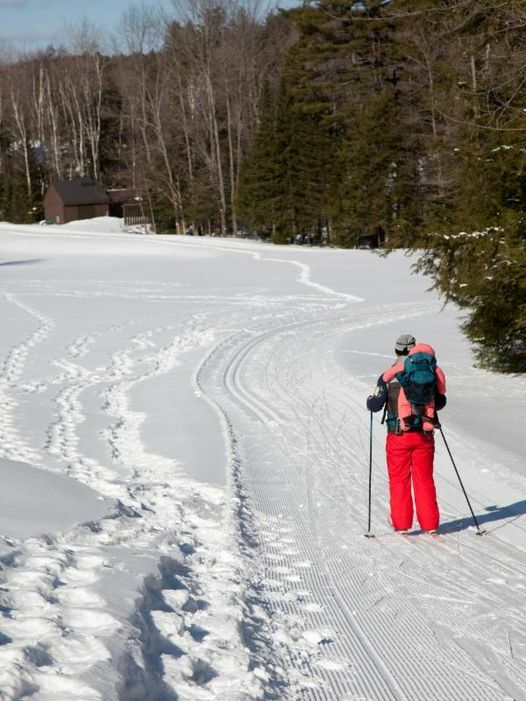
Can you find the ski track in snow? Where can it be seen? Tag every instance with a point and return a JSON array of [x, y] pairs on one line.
[[267, 590], [357, 624]]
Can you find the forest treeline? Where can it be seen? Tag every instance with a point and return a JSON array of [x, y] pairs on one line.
[[404, 119]]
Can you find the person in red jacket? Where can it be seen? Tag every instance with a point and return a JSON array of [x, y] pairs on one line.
[[424, 361], [410, 449]]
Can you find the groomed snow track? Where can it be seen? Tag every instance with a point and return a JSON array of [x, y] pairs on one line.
[[352, 618], [176, 588]]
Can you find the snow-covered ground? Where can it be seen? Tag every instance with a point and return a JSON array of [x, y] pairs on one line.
[[184, 463]]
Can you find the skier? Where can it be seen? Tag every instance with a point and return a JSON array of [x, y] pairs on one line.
[[421, 378], [410, 445]]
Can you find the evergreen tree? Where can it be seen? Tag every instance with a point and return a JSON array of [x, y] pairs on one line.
[[305, 160], [18, 204], [344, 71], [261, 187], [477, 255], [110, 159]]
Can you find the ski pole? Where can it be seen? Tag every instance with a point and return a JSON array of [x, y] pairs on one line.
[[479, 532], [369, 534]]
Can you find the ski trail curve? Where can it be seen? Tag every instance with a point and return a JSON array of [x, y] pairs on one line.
[[349, 618]]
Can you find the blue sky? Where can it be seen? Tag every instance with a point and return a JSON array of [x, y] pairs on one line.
[[34, 24], [30, 24]]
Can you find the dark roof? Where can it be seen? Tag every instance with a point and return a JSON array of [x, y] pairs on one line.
[[121, 195], [80, 191]]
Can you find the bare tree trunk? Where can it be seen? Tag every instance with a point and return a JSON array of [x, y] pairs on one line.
[[51, 109], [72, 109], [186, 130], [232, 167], [174, 191], [474, 86], [38, 96], [216, 147], [432, 103], [22, 133], [96, 116]]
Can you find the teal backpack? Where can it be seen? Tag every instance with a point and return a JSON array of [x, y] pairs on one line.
[[418, 379]]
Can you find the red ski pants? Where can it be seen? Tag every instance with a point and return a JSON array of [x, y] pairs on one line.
[[410, 459]]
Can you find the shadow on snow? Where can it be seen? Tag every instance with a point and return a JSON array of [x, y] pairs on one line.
[[21, 262], [492, 513]]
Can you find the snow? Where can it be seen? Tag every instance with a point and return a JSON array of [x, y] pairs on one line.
[[34, 501], [184, 454]]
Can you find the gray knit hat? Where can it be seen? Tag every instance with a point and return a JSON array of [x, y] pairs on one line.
[[404, 343]]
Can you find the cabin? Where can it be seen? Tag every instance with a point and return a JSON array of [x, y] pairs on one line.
[[69, 200], [119, 199]]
